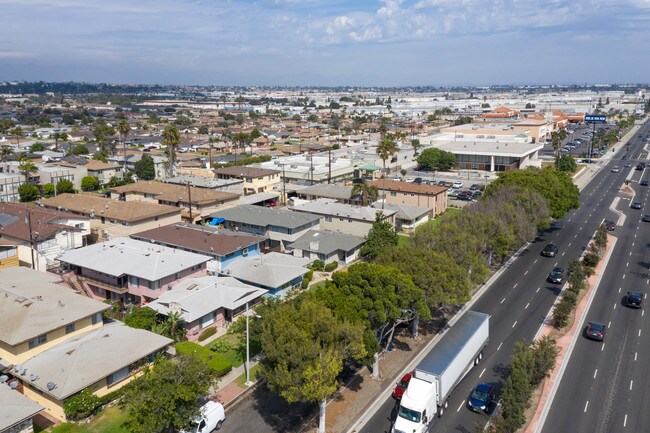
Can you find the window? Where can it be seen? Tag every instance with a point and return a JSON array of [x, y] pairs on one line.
[[35, 342], [207, 320], [134, 281], [118, 376], [69, 328], [393, 194], [244, 252], [154, 285], [97, 318], [178, 275], [328, 218]]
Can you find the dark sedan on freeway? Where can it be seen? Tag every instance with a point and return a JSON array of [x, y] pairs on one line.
[[596, 331], [556, 276], [634, 299]]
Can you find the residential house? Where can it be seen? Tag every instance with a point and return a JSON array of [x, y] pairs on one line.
[[128, 270], [223, 246], [407, 217], [207, 302], [341, 193], [159, 162], [16, 411], [194, 202], [276, 272], [255, 179], [279, 225], [206, 182], [432, 197], [103, 171], [113, 218], [327, 246], [344, 218], [42, 234], [8, 254]]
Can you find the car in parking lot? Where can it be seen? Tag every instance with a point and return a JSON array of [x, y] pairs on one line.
[[417, 180], [643, 182], [646, 218], [464, 197], [609, 225], [556, 276], [457, 184], [616, 169], [634, 299], [401, 386], [549, 250], [481, 397], [596, 331], [636, 205], [474, 187]]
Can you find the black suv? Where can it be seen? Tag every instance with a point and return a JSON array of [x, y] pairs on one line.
[[609, 225], [634, 299], [549, 250], [556, 276]]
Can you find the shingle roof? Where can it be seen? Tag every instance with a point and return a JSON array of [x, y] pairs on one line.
[[15, 407], [32, 304], [45, 222], [404, 211], [326, 242], [328, 206], [85, 359], [203, 239], [126, 256], [128, 211], [196, 297], [243, 171], [410, 187], [175, 193], [264, 216]]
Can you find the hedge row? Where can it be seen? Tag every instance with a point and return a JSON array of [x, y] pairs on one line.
[[85, 403], [217, 363]]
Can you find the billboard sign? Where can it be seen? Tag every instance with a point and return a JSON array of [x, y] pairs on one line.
[[595, 119]]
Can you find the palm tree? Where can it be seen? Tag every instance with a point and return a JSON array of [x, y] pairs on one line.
[[368, 193], [171, 139], [27, 167], [123, 129], [385, 149], [5, 152], [416, 145]]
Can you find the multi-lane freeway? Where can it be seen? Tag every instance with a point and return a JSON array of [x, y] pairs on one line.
[[520, 300]]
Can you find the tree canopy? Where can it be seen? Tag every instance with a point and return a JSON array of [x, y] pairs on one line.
[[436, 159], [65, 186], [382, 235], [89, 183], [145, 169]]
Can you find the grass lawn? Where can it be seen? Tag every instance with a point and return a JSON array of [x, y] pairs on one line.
[[402, 240], [108, 421], [237, 355], [241, 380], [318, 284]]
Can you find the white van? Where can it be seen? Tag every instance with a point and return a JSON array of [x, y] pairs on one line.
[[212, 417]]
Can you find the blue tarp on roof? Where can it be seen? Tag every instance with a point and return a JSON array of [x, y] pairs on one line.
[[216, 221]]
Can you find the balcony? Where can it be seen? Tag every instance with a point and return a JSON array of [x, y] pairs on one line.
[[120, 288]]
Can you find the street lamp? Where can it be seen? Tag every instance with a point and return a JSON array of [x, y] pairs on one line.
[[248, 361], [486, 178]]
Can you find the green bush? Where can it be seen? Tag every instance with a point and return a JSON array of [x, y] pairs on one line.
[[217, 363], [141, 318], [570, 296], [591, 260], [238, 326], [309, 275], [220, 346], [305, 284], [207, 334], [331, 266], [81, 405], [318, 265], [561, 313]]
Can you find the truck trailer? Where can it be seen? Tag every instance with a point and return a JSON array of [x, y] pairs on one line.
[[436, 376]]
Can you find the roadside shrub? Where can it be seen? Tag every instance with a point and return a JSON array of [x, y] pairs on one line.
[[589, 270], [81, 405], [216, 362], [207, 334], [591, 260], [331, 266], [570, 296], [561, 314]]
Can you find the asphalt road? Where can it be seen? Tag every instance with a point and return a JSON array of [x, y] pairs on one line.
[[520, 299], [604, 387]]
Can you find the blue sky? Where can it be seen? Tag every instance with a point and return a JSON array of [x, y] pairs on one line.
[[319, 42]]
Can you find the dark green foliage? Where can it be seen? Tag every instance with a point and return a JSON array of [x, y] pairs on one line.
[[207, 333], [544, 355], [381, 236], [28, 192], [247, 160], [89, 183], [141, 318], [80, 149], [37, 147], [65, 186], [436, 159], [217, 363], [561, 312], [517, 389], [556, 187], [238, 326], [167, 396], [331, 266], [590, 260], [145, 168], [81, 405], [117, 181], [49, 190], [600, 239], [318, 265], [220, 346], [566, 163]]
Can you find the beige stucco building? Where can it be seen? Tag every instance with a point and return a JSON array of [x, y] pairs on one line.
[[255, 179], [429, 196]]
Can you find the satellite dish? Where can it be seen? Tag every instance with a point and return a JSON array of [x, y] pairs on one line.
[[51, 386]]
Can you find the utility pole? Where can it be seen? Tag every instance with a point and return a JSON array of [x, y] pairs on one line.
[[284, 186], [31, 238], [189, 200], [329, 165]]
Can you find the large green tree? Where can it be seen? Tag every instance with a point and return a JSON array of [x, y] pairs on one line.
[[436, 159], [103, 135], [382, 235], [166, 398], [89, 183], [304, 346], [28, 192], [365, 192], [65, 186], [145, 168]]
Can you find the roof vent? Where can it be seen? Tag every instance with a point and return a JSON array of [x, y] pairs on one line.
[[51, 386], [33, 377]]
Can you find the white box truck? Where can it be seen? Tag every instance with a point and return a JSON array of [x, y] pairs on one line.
[[440, 371]]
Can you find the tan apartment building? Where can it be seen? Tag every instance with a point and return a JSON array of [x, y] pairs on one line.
[[55, 343], [114, 218], [103, 171], [255, 179], [429, 196], [194, 203]]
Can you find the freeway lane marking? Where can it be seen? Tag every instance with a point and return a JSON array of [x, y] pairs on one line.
[[586, 405], [619, 290], [515, 324], [635, 353], [525, 272], [515, 286], [481, 375], [609, 325], [639, 332], [631, 382], [503, 300], [623, 276], [627, 264], [526, 307], [625, 420], [570, 243], [562, 254], [602, 348], [642, 313], [535, 261], [615, 305], [595, 373], [536, 291], [501, 344], [461, 406]]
